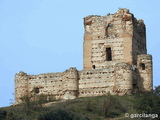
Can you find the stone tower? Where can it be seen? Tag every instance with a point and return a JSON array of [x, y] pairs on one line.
[[21, 86], [113, 38]]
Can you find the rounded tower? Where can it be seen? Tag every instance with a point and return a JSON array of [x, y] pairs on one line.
[[71, 91], [144, 65], [21, 86], [123, 79]]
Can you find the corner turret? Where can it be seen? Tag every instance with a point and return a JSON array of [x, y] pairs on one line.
[[144, 64], [21, 86], [71, 89], [123, 79]]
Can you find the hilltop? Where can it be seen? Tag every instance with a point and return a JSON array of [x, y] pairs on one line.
[[86, 108]]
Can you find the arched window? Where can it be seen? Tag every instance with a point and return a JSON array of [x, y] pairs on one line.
[[107, 32], [142, 66], [108, 29]]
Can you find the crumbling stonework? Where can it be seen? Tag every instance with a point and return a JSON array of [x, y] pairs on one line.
[[115, 62]]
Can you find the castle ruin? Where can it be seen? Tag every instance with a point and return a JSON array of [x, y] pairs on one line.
[[115, 62]]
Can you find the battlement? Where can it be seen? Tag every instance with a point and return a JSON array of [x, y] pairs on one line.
[[115, 62]]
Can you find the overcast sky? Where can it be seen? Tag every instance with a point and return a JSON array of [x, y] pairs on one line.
[[41, 36]]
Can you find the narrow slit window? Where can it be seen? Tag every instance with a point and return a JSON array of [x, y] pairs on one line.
[[108, 54]]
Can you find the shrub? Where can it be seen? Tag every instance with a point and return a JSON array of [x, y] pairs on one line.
[[2, 114], [112, 107], [55, 115], [157, 90], [148, 103], [108, 106], [61, 114], [89, 105], [34, 102]]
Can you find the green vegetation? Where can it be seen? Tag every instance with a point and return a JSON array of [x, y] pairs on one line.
[[2, 114], [90, 108], [149, 102]]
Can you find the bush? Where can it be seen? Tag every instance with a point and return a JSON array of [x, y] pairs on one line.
[[89, 105], [55, 115], [2, 114], [157, 90], [112, 107], [33, 102], [61, 114], [148, 103], [108, 106]]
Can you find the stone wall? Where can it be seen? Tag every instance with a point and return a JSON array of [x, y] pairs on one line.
[[96, 82], [144, 63], [114, 79], [123, 78], [121, 32], [139, 39], [60, 85], [21, 86], [113, 31], [98, 57]]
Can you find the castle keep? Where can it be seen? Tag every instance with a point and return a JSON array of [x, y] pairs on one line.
[[115, 61]]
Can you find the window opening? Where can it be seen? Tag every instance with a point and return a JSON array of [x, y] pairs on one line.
[[110, 25], [107, 29], [134, 85], [108, 54], [93, 66], [36, 90], [142, 65]]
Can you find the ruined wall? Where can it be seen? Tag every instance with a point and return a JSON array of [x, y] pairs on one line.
[[98, 58], [62, 85], [123, 78], [139, 39], [72, 83], [121, 32], [21, 86], [50, 84], [113, 31], [144, 64], [96, 82], [110, 80]]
